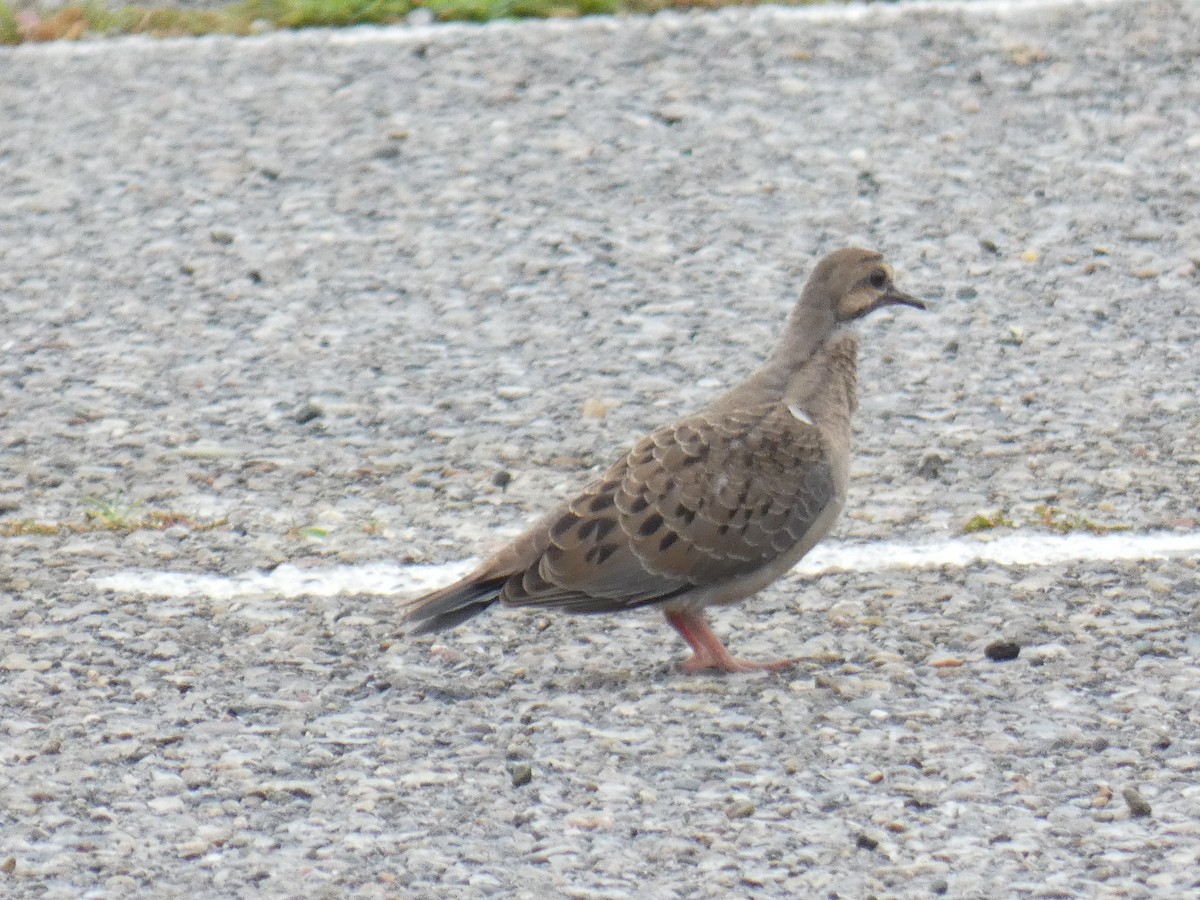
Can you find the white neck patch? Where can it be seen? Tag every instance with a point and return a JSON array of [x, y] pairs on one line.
[[801, 415]]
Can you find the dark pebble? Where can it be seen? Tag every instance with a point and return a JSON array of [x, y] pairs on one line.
[[307, 413], [522, 774], [1139, 806], [932, 463], [1002, 651]]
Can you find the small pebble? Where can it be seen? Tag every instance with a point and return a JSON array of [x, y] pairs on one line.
[[193, 849], [522, 774], [1139, 806], [306, 413], [932, 463], [1146, 234], [1002, 651], [740, 809], [594, 409], [946, 662]]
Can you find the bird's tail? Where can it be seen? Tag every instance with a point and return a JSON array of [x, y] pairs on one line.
[[453, 605]]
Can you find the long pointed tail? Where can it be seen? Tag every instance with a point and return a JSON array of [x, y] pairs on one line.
[[453, 605]]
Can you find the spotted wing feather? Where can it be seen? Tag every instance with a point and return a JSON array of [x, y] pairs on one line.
[[711, 498]]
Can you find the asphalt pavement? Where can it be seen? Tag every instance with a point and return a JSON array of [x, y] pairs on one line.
[[382, 295]]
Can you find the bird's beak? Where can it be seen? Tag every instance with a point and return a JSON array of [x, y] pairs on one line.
[[895, 297]]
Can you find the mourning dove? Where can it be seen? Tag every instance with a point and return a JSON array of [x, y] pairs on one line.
[[714, 507]]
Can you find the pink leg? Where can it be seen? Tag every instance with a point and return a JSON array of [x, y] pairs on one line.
[[707, 650]]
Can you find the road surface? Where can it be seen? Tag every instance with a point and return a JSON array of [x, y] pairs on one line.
[[375, 298]]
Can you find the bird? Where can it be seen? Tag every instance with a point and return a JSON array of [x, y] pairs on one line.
[[710, 509]]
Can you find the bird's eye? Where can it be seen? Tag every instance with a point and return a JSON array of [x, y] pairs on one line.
[[878, 279]]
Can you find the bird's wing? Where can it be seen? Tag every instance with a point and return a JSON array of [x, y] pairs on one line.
[[715, 496]]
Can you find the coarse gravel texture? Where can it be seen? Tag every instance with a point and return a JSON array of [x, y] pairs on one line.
[[354, 292]]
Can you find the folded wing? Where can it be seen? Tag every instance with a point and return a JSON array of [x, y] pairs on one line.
[[710, 498]]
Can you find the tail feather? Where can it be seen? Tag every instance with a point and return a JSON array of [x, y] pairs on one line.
[[453, 605]]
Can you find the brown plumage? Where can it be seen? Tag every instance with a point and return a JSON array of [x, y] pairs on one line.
[[714, 507]]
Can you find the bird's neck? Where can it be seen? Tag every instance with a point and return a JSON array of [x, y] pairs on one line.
[[809, 326], [826, 386], [818, 376]]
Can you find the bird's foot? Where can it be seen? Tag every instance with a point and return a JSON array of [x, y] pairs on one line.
[[704, 662], [707, 650]]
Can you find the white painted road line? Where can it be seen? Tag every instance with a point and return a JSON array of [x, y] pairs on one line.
[[389, 578]]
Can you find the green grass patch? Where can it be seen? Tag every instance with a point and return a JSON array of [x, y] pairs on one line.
[[10, 31], [1064, 523], [321, 13], [987, 522], [1044, 516], [110, 515], [94, 19]]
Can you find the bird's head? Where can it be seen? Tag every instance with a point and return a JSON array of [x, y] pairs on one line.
[[857, 282]]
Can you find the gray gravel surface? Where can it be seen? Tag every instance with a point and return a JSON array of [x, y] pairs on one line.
[[337, 288]]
